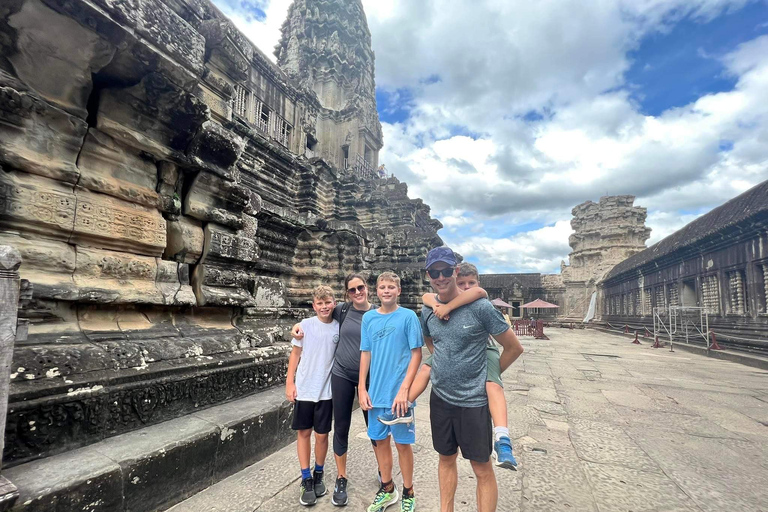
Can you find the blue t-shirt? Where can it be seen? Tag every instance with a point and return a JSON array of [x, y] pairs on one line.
[[389, 338]]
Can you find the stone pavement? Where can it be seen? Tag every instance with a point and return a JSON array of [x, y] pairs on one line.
[[598, 424]]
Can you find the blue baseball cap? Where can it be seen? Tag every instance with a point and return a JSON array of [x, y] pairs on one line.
[[444, 254]]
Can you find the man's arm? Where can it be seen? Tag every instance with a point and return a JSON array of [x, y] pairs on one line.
[[512, 348], [362, 393], [290, 382], [400, 405]]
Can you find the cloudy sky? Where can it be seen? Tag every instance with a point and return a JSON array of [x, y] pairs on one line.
[[504, 114]]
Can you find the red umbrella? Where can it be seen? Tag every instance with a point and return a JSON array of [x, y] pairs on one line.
[[538, 303]]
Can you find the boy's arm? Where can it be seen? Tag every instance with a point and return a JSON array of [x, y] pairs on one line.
[[290, 383], [429, 300], [462, 299], [400, 405], [512, 348], [362, 393]]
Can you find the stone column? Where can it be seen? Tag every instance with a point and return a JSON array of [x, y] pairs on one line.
[[10, 261]]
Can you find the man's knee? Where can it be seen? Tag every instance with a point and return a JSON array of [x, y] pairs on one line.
[[482, 469], [448, 459]]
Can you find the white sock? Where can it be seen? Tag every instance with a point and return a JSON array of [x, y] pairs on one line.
[[499, 432]]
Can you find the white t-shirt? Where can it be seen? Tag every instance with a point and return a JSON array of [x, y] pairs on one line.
[[313, 376]]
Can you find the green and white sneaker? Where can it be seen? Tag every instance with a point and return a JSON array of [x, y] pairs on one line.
[[383, 499], [307, 494], [408, 504]]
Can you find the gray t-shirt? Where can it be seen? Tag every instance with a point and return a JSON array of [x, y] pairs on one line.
[[347, 361], [459, 368]]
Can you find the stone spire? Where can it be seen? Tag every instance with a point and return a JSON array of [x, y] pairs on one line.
[[605, 234], [326, 48]]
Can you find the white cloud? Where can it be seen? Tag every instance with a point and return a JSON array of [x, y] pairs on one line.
[[263, 33], [483, 66]]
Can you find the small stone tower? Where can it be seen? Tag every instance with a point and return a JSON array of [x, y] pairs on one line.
[[326, 48], [606, 234]]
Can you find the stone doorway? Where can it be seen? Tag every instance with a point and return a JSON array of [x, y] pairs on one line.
[[516, 312]]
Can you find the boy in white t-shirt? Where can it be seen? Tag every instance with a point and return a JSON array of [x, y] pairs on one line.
[[308, 386]]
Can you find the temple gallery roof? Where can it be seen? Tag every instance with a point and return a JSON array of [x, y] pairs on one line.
[[749, 206]]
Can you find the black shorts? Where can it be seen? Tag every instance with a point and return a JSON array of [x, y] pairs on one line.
[[468, 428], [312, 415]]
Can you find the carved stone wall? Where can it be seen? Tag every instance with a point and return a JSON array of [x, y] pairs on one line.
[[158, 182], [605, 234]]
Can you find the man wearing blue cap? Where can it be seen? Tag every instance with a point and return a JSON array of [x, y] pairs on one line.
[[459, 413]]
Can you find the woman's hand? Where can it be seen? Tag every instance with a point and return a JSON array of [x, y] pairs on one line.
[[296, 332], [364, 399]]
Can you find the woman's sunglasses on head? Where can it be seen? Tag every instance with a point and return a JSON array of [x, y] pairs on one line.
[[446, 272], [358, 289]]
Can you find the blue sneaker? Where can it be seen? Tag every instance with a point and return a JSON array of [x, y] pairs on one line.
[[390, 419], [502, 453]]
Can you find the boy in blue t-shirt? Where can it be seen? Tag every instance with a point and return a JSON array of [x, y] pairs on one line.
[[390, 345]]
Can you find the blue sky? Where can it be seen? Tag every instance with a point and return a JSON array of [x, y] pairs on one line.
[[505, 115]]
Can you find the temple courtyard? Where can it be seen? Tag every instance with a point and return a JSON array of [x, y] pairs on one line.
[[597, 424]]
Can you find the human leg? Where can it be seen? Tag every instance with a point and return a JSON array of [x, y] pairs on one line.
[[304, 447], [448, 476], [487, 490], [497, 404], [343, 400]]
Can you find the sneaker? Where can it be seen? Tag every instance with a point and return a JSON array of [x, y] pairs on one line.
[[320, 489], [502, 453], [408, 504], [307, 496], [390, 419], [383, 499], [339, 497]]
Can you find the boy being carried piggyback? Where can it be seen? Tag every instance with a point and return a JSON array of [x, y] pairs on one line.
[[308, 386]]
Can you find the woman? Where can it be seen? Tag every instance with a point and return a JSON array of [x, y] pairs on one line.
[[344, 376]]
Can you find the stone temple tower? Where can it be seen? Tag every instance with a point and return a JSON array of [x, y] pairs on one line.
[[326, 48], [605, 234]]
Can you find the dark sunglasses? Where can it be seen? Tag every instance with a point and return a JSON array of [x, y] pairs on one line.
[[359, 289], [446, 272]]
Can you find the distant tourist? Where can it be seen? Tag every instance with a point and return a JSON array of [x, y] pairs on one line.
[[382, 171], [459, 413], [308, 386], [467, 279], [505, 314], [390, 347], [345, 374]]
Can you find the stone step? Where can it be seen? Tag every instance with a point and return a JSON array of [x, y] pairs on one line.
[[155, 467]]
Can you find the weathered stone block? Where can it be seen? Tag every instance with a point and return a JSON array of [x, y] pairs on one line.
[[216, 148], [48, 265], [223, 243], [56, 56], [173, 283], [116, 278], [155, 116], [270, 292], [36, 136], [36, 205], [185, 240], [107, 167], [110, 223], [214, 199], [217, 286]]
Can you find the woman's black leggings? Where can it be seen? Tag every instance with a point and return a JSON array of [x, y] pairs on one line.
[[343, 391]]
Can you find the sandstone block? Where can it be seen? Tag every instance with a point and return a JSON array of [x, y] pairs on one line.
[[223, 243], [36, 136], [216, 148], [56, 56], [48, 265], [218, 286], [110, 223], [116, 278], [108, 167], [36, 205], [173, 283], [270, 292], [214, 199], [185, 240]]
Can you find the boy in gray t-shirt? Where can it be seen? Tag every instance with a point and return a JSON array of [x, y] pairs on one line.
[[308, 386]]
